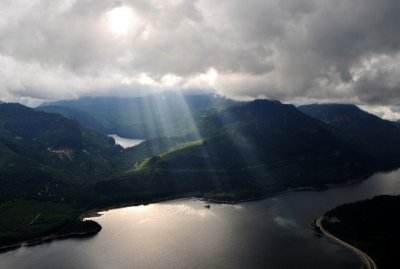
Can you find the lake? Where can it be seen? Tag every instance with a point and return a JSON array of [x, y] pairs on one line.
[[271, 233], [125, 142]]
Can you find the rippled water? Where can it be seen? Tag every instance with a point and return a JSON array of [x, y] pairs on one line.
[[272, 233]]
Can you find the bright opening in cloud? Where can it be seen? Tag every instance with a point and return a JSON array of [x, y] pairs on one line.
[[170, 80], [120, 20], [277, 49], [210, 77]]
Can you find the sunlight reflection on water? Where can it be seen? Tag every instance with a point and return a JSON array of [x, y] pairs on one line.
[[271, 233]]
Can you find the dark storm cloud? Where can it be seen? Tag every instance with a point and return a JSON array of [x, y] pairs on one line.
[[293, 50]]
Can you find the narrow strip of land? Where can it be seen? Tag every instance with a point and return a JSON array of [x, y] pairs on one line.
[[365, 259]]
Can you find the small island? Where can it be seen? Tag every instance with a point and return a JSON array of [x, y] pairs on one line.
[[368, 228]]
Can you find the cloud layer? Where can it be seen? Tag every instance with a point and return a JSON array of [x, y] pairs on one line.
[[292, 50]]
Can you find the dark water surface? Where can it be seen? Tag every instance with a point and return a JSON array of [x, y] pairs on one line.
[[272, 233]]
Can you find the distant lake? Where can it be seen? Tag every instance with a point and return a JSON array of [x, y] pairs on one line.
[[126, 142], [271, 233]]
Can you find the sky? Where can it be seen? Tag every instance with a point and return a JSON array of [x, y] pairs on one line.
[[298, 51]]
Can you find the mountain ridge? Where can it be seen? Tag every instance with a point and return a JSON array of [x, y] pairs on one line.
[[231, 152], [257, 148], [379, 137]]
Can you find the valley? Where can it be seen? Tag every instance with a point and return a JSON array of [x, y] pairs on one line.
[[174, 134], [231, 152]]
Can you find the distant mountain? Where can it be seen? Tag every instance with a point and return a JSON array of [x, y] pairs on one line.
[[84, 118], [380, 139], [253, 149], [1, 102], [160, 115]]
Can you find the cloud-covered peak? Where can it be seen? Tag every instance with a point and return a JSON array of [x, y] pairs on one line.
[[292, 50]]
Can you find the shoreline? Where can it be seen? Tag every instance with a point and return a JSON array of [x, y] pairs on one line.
[[317, 188], [48, 238], [366, 260], [95, 212]]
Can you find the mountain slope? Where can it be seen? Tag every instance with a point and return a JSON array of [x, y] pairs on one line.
[[379, 138], [42, 153], [242, 151], [256, 148]]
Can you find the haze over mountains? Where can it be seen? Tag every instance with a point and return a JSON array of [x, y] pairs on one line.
[[202, 144], [232, 100], [191, 117], [152, 116], [260, 147]]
